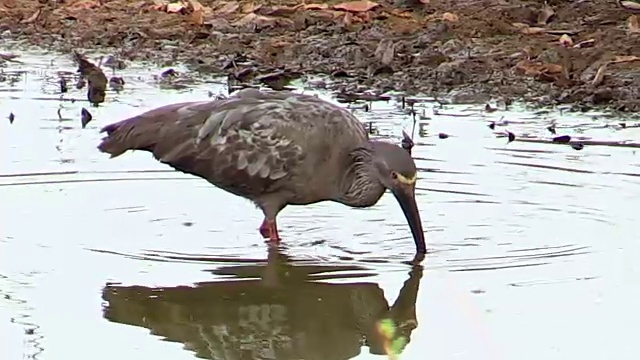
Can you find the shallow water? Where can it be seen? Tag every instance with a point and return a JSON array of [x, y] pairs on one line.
[[533, 244]]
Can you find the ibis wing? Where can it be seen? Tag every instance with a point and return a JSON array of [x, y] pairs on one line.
[[237, 144]]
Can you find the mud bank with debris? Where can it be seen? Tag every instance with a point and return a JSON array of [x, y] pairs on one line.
[[579, 52]]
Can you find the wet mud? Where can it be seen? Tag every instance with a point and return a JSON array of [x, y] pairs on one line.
[[583, 53]]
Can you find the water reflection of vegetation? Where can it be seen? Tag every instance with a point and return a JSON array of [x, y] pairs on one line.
[[273, 310]]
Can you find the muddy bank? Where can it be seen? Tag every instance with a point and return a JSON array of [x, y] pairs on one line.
[[579, 52]]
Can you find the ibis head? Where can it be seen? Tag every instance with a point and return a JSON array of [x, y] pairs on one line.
[[396, 170]]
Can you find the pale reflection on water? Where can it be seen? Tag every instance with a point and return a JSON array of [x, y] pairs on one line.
[[533, 245]]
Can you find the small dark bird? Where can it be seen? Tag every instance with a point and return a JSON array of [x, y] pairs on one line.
[[511, 136], [85, 117], [577, 146], [443, 135], [552, 129], [492, 125], [623, 125], [563, 139], [11, 118], [275, 149], [63, 85]]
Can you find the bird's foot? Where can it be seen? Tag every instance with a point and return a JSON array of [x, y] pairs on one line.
[[269, 230]]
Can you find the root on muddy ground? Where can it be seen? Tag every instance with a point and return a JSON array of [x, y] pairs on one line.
[[582, 52]]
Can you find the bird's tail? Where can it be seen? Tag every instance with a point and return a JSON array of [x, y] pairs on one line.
[[131, 134]]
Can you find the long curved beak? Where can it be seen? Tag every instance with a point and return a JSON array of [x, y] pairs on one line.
[[405, 194]]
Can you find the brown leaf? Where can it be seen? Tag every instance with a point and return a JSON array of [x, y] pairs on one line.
[[175, 7], [533, 30], [250, 7], [385, 51], [630, 5], [228, 8], [252, 18], [347, 19], [197, 16], [424, 2], [545, 15], [316, 6], [83, 5], [8, 57], [450, 17], [597, 80], [585, 43], [566, 41], [633, 24], [519, 25], [357, 6], [625, 58], [32, 18]]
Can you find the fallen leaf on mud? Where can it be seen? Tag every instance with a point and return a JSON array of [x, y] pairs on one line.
[[625, 58], [252, 18], [175, 7], [385, 51], [519, 25], [197, 16], [545, 15], [566, 41], [585, 43], [356, 6], [450, 17], [533, 68], [228, 8], [424, 2], [630, 5], [316, 6], [347, 19], [32, 18], [533, 30], [599, 77], [633, 24], [250, 7], [83, 5]]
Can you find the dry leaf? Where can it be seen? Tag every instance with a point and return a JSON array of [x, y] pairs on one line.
[[32, 18], [545, 15], [175, 7], [357, 6], [424, 2], [197, 16], [385, 51], [630, 5], [347, 19], [625, 58], [8, 57], [533, 30], [633, 24], [228, 8], [519, 25], [597, 80], [566, 41], [450, 17], [83, 5], [316, 6], [585, 43], [255, 19], [250, 7]]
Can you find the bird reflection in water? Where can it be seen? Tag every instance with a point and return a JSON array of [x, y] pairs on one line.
[[273, 310]]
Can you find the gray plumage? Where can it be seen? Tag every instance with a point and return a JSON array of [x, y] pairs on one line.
[[274, 148]]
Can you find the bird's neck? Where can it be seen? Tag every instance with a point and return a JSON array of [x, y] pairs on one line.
[[360, 186]]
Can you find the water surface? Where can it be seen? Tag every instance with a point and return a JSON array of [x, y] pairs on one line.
[[533, 244]]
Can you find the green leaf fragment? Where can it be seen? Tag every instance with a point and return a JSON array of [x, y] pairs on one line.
[[398, 345]]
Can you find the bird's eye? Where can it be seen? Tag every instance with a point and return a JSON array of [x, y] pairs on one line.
[[394, 175]]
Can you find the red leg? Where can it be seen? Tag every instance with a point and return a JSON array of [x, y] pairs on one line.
[[264, 229], [273, 231], [269, 230]]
